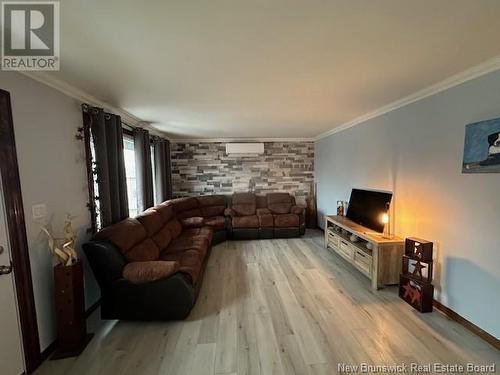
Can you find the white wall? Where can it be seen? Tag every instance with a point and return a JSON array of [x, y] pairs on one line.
[[416, 151], [52, 170]]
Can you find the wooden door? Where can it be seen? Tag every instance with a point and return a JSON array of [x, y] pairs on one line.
[[11, 355], [15, 249]]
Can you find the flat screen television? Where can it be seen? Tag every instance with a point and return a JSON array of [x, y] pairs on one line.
[[367, 206]]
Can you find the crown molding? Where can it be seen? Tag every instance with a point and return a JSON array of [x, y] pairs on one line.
[[84, 97], [243, 140], [474, 72]]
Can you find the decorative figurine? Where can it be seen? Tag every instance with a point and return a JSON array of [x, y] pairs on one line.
[[67, 255]]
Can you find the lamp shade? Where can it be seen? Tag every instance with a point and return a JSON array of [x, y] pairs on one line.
[[384, 218]]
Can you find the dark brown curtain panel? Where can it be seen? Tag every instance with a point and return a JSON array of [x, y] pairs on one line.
[[144, 172], [163, 171], [108, 165]]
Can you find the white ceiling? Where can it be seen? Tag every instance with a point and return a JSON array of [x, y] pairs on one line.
[[267, 68]]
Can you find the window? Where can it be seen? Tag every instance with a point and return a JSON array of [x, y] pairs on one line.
[[130, 173], [97, 205], [128, 142], [152, 148]]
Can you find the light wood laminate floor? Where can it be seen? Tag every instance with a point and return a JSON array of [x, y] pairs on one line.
[[284, 306]]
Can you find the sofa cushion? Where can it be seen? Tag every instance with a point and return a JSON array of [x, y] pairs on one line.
[[244, 204], [211, 200], [190, 263], [162, 238], [261, 201], [125, 234], [143, 251], [183, 204], [151, 220], [195, 212], [251, 221], [297, 210], [205, 232], [279, 203], [216, 222], [192, 222], [212, 211], [263, 211], [198, 243], [165, 211], [144, 272], [266, 221], [174, 227], [280, 208], [286, 221]]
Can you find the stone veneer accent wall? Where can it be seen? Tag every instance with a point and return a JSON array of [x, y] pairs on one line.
[[204, 168]]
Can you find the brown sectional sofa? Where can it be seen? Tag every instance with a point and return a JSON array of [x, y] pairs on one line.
[[167, 247]]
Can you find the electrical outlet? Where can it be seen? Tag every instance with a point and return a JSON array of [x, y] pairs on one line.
[[39, 211]]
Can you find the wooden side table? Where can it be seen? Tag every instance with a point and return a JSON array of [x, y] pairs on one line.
[[72, 337]]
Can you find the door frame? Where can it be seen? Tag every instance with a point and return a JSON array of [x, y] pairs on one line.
[[18, 243]]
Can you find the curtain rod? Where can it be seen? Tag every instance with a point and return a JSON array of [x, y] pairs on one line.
[[87, 108]]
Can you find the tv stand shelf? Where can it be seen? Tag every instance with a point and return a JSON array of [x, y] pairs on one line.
[[375, 256]]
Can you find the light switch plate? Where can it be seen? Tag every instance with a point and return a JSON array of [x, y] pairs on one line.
[[39, 211]]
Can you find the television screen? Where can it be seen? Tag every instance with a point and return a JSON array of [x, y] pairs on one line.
[[366, 208]]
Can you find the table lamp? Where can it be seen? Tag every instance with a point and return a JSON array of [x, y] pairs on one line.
[[386, 220]]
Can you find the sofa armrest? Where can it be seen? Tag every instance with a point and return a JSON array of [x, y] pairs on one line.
[[192, 222], [143, 272], [298, 210], [263, 211], [105, 260], [229, 212], [165, 299]]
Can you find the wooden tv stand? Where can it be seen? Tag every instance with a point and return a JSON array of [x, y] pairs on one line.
[[381, 263]]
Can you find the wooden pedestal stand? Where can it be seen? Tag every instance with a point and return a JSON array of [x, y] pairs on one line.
[[72, 337]]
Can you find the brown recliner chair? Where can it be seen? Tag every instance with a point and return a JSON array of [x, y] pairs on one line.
[[242, 222], [288, 218]]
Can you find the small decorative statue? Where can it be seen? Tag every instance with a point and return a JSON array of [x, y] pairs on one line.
[[340, 208], [67, 255]]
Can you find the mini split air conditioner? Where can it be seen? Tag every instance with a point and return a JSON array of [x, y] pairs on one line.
[[244, 149]]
